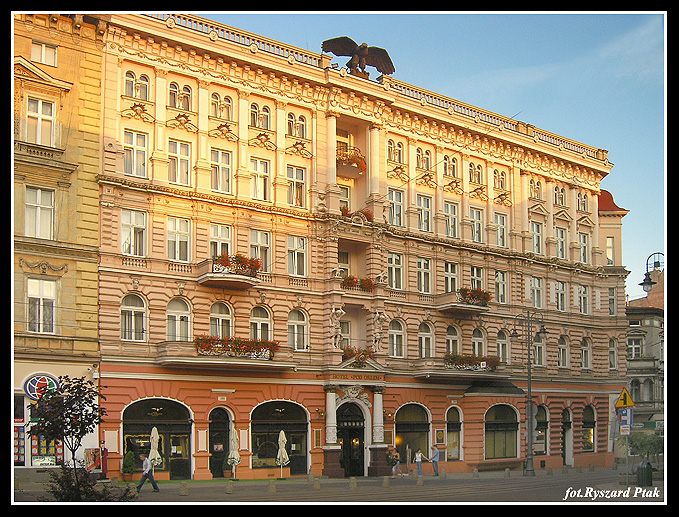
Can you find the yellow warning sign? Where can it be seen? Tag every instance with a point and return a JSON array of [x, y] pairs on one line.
[[624, 400]]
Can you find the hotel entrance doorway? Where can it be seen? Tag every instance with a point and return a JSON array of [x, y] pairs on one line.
[[350, 433]]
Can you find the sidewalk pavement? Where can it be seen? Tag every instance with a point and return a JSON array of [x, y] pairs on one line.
[[323, 489]]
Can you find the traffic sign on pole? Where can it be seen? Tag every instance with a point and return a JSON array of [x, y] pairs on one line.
[[624, 400]]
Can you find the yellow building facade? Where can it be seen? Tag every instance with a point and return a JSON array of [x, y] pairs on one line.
[[57, 116], [398, 238]]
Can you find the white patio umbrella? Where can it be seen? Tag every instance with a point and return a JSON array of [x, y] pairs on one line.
[[282, 456], [234, 456], [154, 455]]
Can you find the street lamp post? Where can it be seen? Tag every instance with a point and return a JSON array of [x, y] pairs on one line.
[[648, 284], [526, 320]]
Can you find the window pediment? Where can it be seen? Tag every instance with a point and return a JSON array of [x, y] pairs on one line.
[[26, 72]]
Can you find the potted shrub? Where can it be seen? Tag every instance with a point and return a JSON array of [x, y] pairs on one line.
[[128, 466]]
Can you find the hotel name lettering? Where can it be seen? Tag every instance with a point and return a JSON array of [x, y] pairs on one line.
[[356, 377]]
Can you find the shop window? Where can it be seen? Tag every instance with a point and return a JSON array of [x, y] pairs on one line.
[[453, 434], [412, 430], [501, 432]]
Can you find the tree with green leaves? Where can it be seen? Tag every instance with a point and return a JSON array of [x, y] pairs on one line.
[[68, 413]]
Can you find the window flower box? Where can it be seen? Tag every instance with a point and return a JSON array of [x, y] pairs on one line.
[[352, 282], [239, 264], [237, 347], [471, 362], [474, 296], [361, 354]]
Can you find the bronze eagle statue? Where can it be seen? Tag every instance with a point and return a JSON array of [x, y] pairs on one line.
[[361, 55]]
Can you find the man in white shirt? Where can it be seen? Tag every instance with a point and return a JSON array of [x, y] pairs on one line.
[[147, 473]]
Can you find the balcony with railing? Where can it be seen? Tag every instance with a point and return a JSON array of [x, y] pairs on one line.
[[229, 272], [231, 352], [463, 300]]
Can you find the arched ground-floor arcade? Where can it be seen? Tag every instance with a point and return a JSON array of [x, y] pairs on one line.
[[345, 422]]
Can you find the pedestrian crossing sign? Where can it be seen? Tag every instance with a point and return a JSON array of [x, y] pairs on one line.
[[624, 400]]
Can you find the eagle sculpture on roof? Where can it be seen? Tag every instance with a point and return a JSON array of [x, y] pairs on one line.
[[361, 55]]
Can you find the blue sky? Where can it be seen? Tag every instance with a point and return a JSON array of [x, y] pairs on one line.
[[594, 77]]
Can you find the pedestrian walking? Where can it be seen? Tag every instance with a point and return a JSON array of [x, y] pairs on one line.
[[147, 473], [435, 459], [396, 457]]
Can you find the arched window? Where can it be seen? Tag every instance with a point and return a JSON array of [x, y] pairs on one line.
[[562, 353], [220, 320], [500, 179], [586, 354], [541, 431], [419, 157], [396, 339], [260, 323], [301, 126], [178, 320], [446, 165], [452, 340], [425, 340], [130, 81], [254, 115], [398, 157], [588, 429], [390, 150], [412, 430], [132, 316], [215, 105], [501, 432], [268, 420], [298, 330], [143, 87], [173, 99], [186, 98], [502, 343], [134, 87], [478, 342], [264, 121], [453, 434]]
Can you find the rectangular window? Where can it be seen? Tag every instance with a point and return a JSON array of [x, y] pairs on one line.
[[476, 217], [476, 277], [133, 233], [260, 247], [424, 213], [560, 295], [500, 287], [134, 148], [220, 240], [450, 211], [296, 256], [583, 297], [536, 236], [583, 238], [42, 296], [395, 270], [610, 251], [395, 207], [44, 53], [178, 239], [560, 237], [424, 275], [634, 346], [344, 263], [40, 122], [536, 292], [450, 277], [220, 167], [39, 217], [562, 355], [179, 154], [345, 198], [259, 179], [501, 230], [612, 302], [296, 186]]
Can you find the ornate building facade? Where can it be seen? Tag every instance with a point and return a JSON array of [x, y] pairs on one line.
[[287, 246], [57, 117]]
